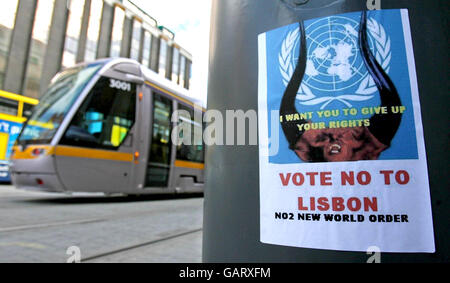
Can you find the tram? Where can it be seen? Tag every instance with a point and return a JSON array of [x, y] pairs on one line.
[[106, 127]]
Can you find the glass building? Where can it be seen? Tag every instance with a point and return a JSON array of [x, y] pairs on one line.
[[75, 18], [136, 39], [58, 34], [162, 57], [93, 31], [7, 20], [38, 48], [146, 48], [175, 64], [117, 31]]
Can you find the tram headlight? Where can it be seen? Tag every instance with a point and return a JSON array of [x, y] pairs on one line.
[[38, 151]]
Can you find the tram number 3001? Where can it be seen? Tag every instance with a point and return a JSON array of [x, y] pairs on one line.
[[119, 85]]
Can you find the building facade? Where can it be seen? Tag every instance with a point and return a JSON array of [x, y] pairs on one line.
[[38, 38]]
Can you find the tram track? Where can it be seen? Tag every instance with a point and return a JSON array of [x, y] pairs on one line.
[[159, 229], [103, 218], [49, 225], [112, 217], [140, 245]]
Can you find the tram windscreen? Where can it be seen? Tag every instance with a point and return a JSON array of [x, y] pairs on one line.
[[62, 93]]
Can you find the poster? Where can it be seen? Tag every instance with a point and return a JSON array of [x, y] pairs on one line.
[[342, 155]]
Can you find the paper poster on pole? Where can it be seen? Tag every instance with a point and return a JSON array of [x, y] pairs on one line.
[[342, 156]]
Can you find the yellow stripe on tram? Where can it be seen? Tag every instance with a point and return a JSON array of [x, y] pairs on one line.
[[70, 151], [48, 125], [190, 165], [28, 152]]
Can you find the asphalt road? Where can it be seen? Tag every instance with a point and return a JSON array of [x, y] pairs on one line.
[[40, 227]]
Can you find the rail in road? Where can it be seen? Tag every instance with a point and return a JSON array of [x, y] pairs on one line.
[[41, 228], [141, 245]]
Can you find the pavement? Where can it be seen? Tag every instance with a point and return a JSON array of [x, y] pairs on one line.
[[42, 227]]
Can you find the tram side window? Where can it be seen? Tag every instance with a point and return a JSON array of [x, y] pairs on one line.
[[160, 147], [105, 117], [194, 151], [159, 161]]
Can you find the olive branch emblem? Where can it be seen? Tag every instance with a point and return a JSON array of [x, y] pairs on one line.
[[366, 88]]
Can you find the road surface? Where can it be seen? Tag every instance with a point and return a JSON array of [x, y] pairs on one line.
[[41, 227]]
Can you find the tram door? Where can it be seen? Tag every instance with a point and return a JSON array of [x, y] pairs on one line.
[[158, 167], [96, 153]]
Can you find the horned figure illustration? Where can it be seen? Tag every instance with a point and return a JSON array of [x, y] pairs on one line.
[[342, 144]]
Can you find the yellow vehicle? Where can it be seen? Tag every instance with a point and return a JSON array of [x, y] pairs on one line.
[[13, 108]]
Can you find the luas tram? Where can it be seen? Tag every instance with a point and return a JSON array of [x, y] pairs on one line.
[[106, 127]]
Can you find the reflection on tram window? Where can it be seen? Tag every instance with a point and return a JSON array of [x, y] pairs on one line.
[[159, 159], [48, 115], [160, 148], [194, 151], [105, 117]]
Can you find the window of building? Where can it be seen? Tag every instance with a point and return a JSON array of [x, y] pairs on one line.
[[39, 40], [147, 46], [136, 39], [93, 31], [162, 57], [182, 70], [75, 17], [189, 75], [105, 117], [117, 31], [194, 150], [7, 20], [175, 65]]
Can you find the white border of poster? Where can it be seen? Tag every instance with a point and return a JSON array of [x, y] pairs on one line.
[[410, 227]]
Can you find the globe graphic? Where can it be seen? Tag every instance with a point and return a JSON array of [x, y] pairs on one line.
[[334, 62]]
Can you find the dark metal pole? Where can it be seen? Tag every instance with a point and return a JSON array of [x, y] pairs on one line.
[[231, 210]]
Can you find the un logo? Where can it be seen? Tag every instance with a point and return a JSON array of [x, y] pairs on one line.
[[335, 70]]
